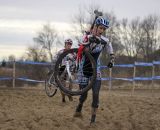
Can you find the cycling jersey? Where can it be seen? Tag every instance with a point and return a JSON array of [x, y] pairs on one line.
[[68, 57], [57, 55], [95, 45]]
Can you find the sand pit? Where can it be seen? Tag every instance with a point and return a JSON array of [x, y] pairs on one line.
[[31, 109]]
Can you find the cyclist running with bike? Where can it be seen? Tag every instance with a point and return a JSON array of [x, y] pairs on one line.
[[67, 46], [95, 42]]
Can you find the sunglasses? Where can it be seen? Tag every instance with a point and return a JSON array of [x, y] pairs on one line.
[[101, 27]]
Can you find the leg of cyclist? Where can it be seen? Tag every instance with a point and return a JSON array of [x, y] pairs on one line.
[[63, 78], [63, 94], [95, 99], [69, 87], [63, 97], [69, 96], [82, 99], [83, 79]]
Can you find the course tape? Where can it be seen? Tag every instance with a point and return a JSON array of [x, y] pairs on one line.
[[156, 77], [156, 62], [134, 79], [104, 78], [6, 78], [143, 78], [125, 79], [101, 67], [143, 64], [30, 80], [116, 65], [33, 63], [124, 65]]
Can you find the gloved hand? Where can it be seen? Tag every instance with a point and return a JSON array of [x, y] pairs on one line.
[[94, 39], [111, 62]]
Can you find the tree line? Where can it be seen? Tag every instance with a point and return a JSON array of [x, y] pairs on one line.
[[136, 39], [132, 39]]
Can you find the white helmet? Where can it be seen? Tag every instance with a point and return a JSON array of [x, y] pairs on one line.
[[68, 41]]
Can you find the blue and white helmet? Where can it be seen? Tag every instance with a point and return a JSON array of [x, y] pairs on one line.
[[102, 21]]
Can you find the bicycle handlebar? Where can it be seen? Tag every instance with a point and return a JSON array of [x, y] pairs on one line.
[[97, 14]]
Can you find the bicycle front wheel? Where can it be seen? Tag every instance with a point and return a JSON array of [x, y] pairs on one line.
[[76, 76], [50, 86]]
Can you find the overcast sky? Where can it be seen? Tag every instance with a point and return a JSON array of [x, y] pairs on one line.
[[21, 19]]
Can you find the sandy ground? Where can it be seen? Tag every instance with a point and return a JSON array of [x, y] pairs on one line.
[[31, 109]]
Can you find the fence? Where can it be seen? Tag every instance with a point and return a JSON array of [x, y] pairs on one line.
[[152, 78], [110, 78], [14, 78]]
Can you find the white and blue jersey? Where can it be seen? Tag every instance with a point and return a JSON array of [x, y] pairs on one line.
[[69, 56], [96, 46]]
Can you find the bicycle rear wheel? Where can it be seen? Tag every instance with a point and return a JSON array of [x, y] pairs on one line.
[[50, 86], [84, 74]]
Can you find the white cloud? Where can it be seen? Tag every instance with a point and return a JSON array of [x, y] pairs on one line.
[[17, 35], [7, 50], [21, 19], [31, 25]]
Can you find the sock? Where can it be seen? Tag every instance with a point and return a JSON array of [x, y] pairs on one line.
[[93, 118], [79, 107]]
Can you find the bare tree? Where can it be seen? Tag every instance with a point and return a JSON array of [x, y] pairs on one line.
[[34, 53], [46, 38], [150, 26], [113, 33], [140, 37], [83, 20], [131, 36], [79, 24], [136, 35], [11, 58], [125, 37]]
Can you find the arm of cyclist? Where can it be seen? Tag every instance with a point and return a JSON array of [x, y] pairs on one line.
[[55, 58], [111, 55], [57, 55]]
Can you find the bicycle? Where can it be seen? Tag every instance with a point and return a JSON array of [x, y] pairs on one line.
[[75, 72], [50, 84]]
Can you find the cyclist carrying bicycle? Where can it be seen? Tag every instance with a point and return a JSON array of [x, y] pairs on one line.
[[67, 46], [95, 42]]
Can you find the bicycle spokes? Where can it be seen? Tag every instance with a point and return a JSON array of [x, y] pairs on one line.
[[71, 75], [50, 85]]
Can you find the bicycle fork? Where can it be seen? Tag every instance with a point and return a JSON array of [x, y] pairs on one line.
[[68, 70]]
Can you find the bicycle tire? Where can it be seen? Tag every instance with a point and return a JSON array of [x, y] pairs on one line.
[[50, 88], [60, 82]]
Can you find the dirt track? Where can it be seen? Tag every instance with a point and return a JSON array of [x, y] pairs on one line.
[[31, 109]]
